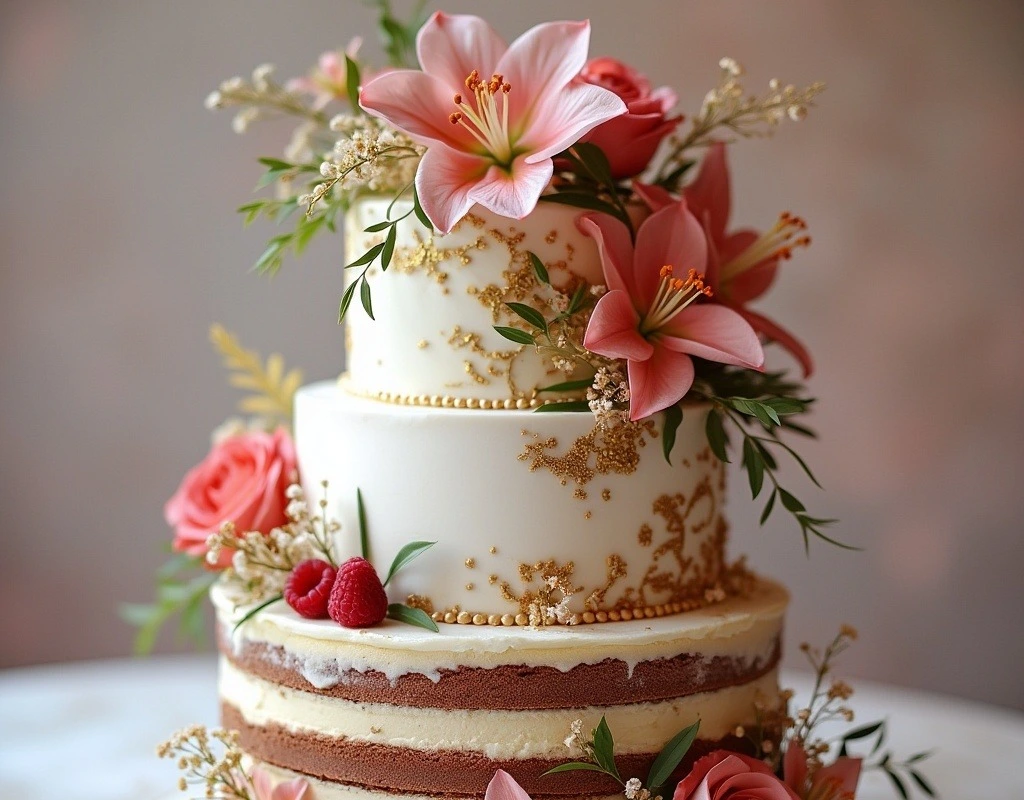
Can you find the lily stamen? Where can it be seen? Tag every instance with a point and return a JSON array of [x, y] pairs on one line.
[[778, 242], [673, 295], [486, 122]]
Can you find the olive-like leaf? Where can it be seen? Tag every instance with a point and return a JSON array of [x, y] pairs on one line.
[[515, 335], [412, 616], [673, 418], [405, 555], [670, 756]]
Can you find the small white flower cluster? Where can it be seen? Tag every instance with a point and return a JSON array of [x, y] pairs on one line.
[[257, 97], [728, 105], [261, 562], [577, 742], [635, 791], [219, 774], [367, 154], [609, 397]]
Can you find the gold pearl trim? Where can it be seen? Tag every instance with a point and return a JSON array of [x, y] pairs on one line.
[[458, 617], [450, 401]]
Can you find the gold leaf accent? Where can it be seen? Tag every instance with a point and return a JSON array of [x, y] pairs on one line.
[[273, 388]]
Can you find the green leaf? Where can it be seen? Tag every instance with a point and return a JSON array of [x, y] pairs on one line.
[[364, 536], [574, 766], [568, 386], [412, 616], [275, 163], [539, 269], [604, 748], [768, 508], [671, 181], [367, 257], [920, 756], [252, 612], [576, 303], [346, 299], [801, 462], [405, 555], [670, 756], [389, 248], [421, 215], [717, 438], [515, 335], [673, 418], [531, 315], [581, 200], [863, 732], [790, 503], [898, 784], [922, 784], [569, 405], [352, 82], [755, 467], [786, 405], [377, 227], [178, 563], [364, 297], [595, 161]]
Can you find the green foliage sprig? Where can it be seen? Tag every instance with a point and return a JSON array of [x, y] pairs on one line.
[[600, 752], [398, 37], [591, 185]]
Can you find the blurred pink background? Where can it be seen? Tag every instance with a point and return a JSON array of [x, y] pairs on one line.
[[119, 246]]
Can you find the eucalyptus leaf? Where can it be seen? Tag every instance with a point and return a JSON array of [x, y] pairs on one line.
[[673, 418], [412, 616], [670, 756], [531, 315], [405, 555], [515, 335], [539, 269]]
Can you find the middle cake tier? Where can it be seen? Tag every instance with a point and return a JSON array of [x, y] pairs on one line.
[[538, 518]]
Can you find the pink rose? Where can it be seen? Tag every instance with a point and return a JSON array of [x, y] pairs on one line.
[[723, 775], [631, 139], [242, 480]]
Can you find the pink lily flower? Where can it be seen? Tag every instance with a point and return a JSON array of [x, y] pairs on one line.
[[504, 787], [837, 781], [264, 788], [741, 264], [329, 80], [650, 316], [491, 115]]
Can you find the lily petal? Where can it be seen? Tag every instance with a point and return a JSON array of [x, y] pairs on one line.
[[513, 193], [670, 236], [504, 787], [614, 247], [794, 766], [716, 333], [710, 190], [562, 117], [658, 382], [450, 46], [654, 196], [612, 330], [294, 789], [445, 197], [262, 783], [845, 773], [542, 61], [415, 103], [777, 333]]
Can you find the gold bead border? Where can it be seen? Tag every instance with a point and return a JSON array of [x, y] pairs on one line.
[[454, 617], [449, 401]]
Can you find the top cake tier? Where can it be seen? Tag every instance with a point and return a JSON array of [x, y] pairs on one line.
[[433, 341]]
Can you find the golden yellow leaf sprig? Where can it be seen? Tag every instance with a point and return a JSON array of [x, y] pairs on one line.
[[273, 389]]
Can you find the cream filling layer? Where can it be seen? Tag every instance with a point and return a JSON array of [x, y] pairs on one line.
[[499, 735], [327, 790], [741, 627]]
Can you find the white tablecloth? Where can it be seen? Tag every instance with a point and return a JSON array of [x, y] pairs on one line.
[[87, 731]]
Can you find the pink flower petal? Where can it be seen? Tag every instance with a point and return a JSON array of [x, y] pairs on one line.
[[658, 382], [794, 766], [419, 105], [845, 773], [612, 330], [262, 783], [542, 61], [504, 787], [615, 248], [710, 190], [671, 236], [563, 116], [443, 183], [513, 194], [450, 46], [713, 332], [777, 333], [666, 97], [752, 283], [294, 789], [655, 197]]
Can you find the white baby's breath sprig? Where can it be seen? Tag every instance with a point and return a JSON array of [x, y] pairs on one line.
[[210, 760], [259, 97], [608, 397]]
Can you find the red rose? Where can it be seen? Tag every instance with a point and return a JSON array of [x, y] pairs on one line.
[[722, 775], [630, 140], [242, 480]]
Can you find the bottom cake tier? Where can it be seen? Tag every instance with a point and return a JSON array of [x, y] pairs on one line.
[[397, 710]]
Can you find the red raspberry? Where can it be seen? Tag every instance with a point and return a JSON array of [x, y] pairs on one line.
[[358, 599], [308, 588]]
